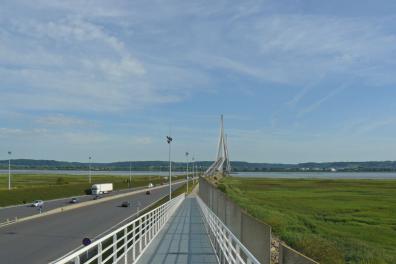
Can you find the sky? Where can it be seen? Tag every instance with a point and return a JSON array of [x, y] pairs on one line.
[[296, 80]]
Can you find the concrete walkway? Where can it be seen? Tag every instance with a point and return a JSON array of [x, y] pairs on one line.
[[183, 240]]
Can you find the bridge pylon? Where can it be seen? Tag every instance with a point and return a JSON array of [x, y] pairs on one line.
[[222, 164]]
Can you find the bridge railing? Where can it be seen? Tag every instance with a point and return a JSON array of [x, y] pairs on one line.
[[227, 246], [127, 243]]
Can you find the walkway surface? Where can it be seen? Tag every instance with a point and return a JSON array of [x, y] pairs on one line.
[[183, 240]]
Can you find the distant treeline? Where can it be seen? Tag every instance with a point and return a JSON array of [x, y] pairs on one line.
[[237, 166]]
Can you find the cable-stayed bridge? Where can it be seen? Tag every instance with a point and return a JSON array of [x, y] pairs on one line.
[[201, 227], [222, 162]]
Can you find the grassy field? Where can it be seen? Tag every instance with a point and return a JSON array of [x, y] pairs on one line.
[[29, 187], [332, 221]]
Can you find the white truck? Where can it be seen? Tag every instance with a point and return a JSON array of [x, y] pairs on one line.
[[101, 188]]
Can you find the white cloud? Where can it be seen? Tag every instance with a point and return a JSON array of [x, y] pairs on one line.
[[143, 140], [62, 121], [311, 46], [321, 100], [109, 58], [88, 70], [4, 131]]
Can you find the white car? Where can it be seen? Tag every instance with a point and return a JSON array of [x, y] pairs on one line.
[[38, 203]]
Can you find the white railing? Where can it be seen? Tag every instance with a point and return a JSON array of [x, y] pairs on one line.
[[127, 243], [227, 246]]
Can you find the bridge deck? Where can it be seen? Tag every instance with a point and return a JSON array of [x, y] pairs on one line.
[[183, 240]]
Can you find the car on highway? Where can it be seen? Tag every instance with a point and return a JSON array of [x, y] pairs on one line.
[[74, 200], [150, 185], [125, 204], [38, 203], [97, 197]]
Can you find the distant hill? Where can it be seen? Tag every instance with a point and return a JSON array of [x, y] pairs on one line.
[[236, 165]]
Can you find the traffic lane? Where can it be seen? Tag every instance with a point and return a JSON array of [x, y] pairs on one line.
[[20, 211], [47, 238]]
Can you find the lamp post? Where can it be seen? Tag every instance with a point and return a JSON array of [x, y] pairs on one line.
[[193, 163], [130, 174], [187, 169], [9, 170], [169, 141], [90, 174]]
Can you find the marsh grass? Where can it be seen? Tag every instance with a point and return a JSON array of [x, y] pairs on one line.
[[332, 221]]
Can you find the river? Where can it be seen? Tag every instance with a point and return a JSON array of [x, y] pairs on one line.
[[319, 175], [292, 175], [94, 172]]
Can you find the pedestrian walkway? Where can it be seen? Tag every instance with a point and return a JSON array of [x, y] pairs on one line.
[[183, 240]]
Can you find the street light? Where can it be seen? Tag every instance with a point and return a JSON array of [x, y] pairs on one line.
[[169, 141], [193, 169], [187, 169], [130, 174], [9, 170], [90, 174]]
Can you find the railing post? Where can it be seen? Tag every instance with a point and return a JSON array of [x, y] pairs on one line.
[[140, 235], [100, 253], [238, 252], [149, 226], [133, 241], [146, 224], [114, 247], [126, 245]]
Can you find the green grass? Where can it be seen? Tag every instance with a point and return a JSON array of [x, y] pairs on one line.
[[29, 187], [332, 221]]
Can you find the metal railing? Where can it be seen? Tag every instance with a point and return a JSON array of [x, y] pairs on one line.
[[227, 246], [127, 243]]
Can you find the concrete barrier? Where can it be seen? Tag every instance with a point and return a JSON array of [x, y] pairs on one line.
[[233, 218], [256, 236], [288, 255], [221, 206]]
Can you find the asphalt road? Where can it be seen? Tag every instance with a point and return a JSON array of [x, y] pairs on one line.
[[25, 210], [45, 239]]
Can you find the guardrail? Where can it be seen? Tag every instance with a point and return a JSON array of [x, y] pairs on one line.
[[227, 246], [127, 243]]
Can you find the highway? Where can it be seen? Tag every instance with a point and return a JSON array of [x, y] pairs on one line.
[[25, 210], [45, 239]]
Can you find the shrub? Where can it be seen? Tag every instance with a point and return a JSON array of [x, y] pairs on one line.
[[222, 187], [60, 181]]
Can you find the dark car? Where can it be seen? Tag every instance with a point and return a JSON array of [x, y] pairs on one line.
[[148, 192], [74, 200], [125, 204], [97, 197]]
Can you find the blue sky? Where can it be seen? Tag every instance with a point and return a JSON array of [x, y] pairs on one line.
[[296, 80]]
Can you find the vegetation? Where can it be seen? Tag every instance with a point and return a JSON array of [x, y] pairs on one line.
[[201, 165], [332, 221], [29, 187], [111, 166]]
